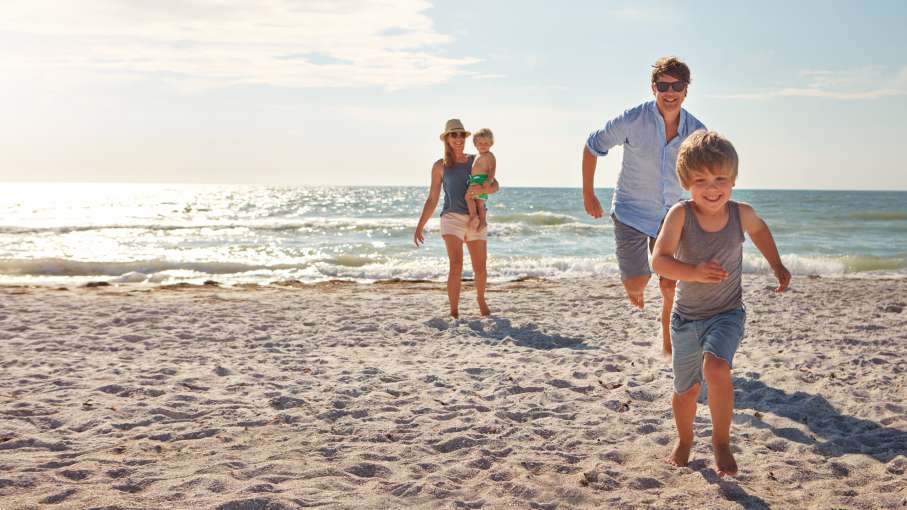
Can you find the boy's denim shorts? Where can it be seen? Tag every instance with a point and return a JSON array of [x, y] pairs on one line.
[[690, 339]]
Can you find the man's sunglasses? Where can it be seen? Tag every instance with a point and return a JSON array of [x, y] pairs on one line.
[[663, 86], [456, 134]]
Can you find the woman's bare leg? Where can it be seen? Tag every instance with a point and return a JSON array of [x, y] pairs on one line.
[[478, 254], [455, 274]]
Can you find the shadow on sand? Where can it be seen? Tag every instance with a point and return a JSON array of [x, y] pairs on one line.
[[529, 335], [833, 434]]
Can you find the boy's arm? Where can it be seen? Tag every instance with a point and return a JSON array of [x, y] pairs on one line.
[[491, 167], [665, 264], [761, 236]]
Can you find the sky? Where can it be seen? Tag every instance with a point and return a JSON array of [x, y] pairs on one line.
[[355, 92]]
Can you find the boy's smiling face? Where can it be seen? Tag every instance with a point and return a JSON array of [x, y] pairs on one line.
[[670, 100], [711, 191]]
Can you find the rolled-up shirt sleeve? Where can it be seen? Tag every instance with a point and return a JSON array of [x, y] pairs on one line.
[[614, 133]]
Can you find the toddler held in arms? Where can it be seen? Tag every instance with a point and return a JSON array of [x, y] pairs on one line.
[[483, 168]]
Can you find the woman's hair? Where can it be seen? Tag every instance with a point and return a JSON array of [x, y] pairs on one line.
[[484, 133], [449, 159], [706, 151]]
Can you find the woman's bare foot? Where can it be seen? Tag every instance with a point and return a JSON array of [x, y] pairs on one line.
[[483, 309], [680, 457], [724, 460]]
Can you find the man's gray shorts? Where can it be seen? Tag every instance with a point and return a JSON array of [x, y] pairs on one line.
[[633, 248]]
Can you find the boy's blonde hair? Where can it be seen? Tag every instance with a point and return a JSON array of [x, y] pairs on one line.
[[706, 151], [484, 133]]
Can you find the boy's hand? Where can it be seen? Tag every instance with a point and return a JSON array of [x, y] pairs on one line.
[[709, 272], [418, 238], [592, 205], [783, 276]]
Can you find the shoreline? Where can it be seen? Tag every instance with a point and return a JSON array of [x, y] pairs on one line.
[[351, 395]]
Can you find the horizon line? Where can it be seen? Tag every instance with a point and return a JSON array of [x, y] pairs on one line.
[[176, 183]]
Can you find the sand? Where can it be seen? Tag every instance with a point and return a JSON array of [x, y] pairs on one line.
[[368, 396]]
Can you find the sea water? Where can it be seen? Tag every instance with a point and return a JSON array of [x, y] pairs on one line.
[[71, 233]]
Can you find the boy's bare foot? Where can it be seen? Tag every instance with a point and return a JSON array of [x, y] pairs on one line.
[[482, 225], [724, 460], [483, 309], [680, 457], [473, 223]]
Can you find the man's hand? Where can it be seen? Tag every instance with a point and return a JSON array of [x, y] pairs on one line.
[[592, 205], [709, 272], [418, 237], [783, 276]]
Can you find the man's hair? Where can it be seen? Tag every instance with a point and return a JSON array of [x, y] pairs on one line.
[[484, 133], [672, 66], [706, 151]]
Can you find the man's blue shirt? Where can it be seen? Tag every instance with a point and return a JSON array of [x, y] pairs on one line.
[[647, 185]]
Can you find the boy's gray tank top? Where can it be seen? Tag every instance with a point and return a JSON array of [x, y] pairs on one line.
[[696, 301], [455, 182]]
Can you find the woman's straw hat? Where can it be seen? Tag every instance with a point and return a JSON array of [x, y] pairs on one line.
[[453, 126]]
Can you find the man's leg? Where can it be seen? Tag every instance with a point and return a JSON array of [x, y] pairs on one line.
[[636, 287], [632, 251]]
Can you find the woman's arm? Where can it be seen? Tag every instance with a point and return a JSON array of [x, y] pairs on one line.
[[665, 264], [431, 203]]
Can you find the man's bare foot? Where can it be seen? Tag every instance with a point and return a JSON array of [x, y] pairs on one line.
[[455, 313], [636, 300], [483, 309], [680, 457], [666, 348], [724, 460]]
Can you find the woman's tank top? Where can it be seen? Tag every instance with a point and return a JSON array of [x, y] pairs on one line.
[[455, 182]]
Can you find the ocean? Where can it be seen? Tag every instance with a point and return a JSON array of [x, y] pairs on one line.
[[62, 233]]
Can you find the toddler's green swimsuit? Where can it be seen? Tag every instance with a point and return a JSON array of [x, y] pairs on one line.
[[479, 179]]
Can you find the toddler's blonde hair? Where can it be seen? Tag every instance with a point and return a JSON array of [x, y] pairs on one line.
[[484, 133]]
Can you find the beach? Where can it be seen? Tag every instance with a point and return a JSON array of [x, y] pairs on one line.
[[345, 395]]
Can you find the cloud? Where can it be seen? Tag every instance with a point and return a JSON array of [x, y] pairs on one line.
[[867, 83], [293, 43]]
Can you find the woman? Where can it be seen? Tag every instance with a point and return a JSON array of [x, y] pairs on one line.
[[453, 173]]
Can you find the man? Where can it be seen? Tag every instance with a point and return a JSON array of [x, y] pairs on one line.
[[647, 185]]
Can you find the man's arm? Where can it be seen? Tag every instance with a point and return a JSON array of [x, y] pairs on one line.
[[665, 264], [590, 201], [761, 236]]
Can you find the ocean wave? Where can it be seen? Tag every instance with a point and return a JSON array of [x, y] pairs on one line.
[[372, 268], [323, 224], [879, 216], [540, 218]]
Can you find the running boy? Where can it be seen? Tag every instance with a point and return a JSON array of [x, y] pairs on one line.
[[701, 246], [482, 170]]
